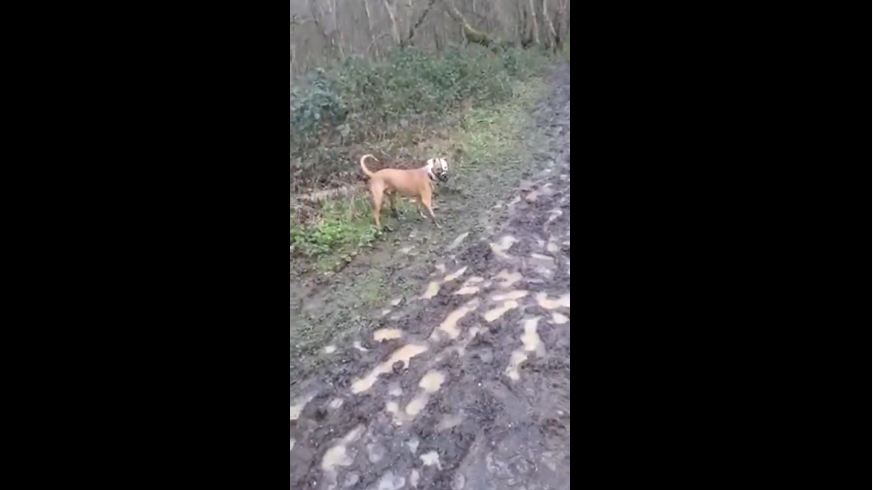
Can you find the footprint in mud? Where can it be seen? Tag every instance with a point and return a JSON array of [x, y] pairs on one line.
[[434, 286], [384, 334], [559, 319], [339, 454], [502, 245], [562, 301], [470, 286], [299, 404], [495, 313], [449, 326], [531, 342], [511, 295], [402, 355], [429, 384], [506, 279]]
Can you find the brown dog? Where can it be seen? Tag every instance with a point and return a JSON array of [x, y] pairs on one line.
[[416, 183]]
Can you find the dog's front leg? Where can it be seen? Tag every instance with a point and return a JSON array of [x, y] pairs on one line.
[[418, 206], [427, 204]]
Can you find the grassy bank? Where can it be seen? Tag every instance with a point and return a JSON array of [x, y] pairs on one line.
[[390, 106], [485, 137]]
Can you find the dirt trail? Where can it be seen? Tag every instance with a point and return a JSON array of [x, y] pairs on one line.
[[463, 381]]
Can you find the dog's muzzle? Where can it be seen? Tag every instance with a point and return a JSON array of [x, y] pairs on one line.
[[443, 177]]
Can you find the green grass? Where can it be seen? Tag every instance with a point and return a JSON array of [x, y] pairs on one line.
[[345, 227], [492, 134]]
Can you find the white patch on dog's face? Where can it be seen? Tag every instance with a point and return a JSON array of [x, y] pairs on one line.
[[438, 168]]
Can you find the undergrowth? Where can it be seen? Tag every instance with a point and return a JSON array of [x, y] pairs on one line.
[[366, 101], [487, 136]]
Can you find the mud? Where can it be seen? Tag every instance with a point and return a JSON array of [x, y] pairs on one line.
[[465, 382]]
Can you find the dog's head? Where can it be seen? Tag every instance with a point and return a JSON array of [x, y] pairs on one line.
[[439, 167]]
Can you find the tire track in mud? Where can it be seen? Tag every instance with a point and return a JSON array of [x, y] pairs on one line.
[[467, 385]]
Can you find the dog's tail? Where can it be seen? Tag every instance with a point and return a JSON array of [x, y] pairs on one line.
[[364, 167]]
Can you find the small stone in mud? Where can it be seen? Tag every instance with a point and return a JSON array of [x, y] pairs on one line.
[[397, 367], [448, 421], [431, 458], [485, 356], [559, 319], [351, 479], [375, 452], [389, 482]]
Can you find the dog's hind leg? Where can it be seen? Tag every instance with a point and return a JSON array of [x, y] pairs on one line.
[[377, 209], [393, 205]]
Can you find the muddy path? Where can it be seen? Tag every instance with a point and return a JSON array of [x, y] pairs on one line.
[[441, 359]]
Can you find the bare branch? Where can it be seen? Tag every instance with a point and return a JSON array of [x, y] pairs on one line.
[[414, 27], [391, 8], [552, 34]]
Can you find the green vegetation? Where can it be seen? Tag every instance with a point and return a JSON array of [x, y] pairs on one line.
[[361, 101], [473, 102]]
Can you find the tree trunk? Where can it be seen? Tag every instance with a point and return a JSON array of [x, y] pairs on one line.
[[551, 33], [370, 33], [437, 40], [560, 17], [533, 18], [414, 27], [391, 8], [326, 20]]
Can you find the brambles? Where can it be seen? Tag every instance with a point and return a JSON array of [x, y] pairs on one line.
[[371, 101]]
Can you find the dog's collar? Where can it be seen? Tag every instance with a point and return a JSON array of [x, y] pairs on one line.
[[431, 175]]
